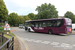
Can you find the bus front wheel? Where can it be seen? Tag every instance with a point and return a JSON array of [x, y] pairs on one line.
[[29, 30], [50, 31]]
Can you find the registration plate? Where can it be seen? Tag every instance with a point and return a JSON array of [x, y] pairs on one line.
[[68, 32]]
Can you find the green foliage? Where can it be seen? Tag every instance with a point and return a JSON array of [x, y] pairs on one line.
[[3, 10], [9, 33], [13, 18], [31, 16], [26, 18], [1, 28], [70, 15], [2, 24], [20, 20], [46, 11]]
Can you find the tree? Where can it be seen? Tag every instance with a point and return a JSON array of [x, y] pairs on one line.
[[3, 10], [46, 11], [20, 20], [31, 16], [13, 18], [70, 15], [26, 18]]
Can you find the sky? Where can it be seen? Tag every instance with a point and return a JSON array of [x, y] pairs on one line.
[[24, 7]]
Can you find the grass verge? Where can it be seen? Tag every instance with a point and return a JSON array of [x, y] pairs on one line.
[[16, 41], [8, 32]]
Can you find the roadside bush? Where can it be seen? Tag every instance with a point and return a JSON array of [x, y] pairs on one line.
[[16, 25], [1, 28], [2, 24]]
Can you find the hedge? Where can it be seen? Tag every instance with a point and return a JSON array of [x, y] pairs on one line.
[[2, 24], [1, 28]]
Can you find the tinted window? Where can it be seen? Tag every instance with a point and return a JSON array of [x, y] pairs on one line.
[[49, 24], [40, 24], [52, 23], [60, 22], [44, 24], [55, 23], [32, 24], [36, 24], [26, 23]]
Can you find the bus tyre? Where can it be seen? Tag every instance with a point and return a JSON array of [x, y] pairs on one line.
[[74, 29], [50, 31], [29, 30], [25, 28]]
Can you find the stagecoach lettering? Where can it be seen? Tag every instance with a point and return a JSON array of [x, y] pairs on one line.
[[35, 28], [40, 28]]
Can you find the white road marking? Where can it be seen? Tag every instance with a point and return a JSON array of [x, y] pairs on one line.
[[45, 42], [73, 45], [65, 44], [37, 41], [56, 46], [30, 40], [54, 43], [26, 39]]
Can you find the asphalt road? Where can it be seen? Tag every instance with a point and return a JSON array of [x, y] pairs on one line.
[[44, 41]]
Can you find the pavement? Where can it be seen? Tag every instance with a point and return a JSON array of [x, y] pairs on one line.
[[23, 45], [14, 30], [73, 32]]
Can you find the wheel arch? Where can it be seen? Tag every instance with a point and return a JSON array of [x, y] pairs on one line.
[[50, 30]]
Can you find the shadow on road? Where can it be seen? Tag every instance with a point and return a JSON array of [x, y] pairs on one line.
[[47, 33]]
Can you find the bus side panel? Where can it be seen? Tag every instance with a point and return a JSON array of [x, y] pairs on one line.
[[61, 30], [45, 29], [36, 29], [54, 30], [33, 29]]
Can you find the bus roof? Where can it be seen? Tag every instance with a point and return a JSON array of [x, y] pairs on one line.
[[46, 19]]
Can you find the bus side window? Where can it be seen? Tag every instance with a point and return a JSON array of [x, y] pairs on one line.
[[49, 24], [32, 24], [44, 24], [40, 24], [58, 23], [29, 24], [36, 24], [54, 23]]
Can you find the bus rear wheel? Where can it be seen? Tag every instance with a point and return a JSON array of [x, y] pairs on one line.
[[50, 31]]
